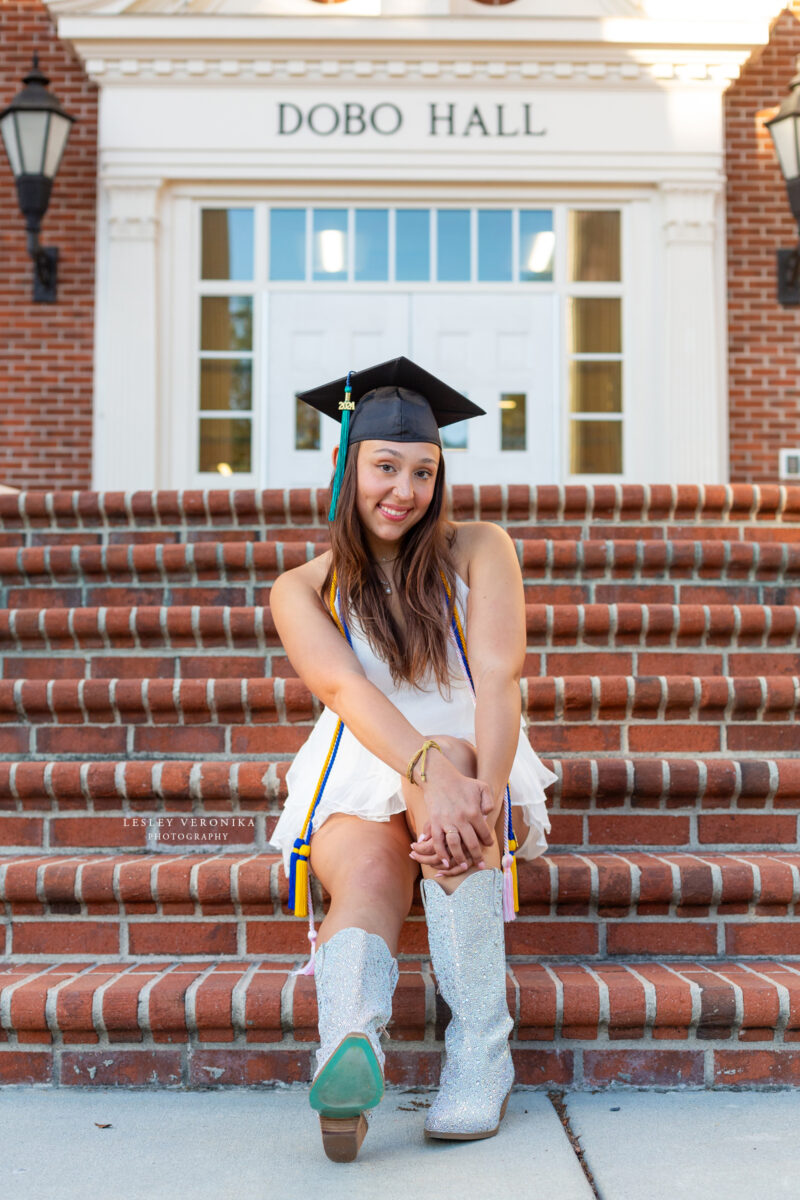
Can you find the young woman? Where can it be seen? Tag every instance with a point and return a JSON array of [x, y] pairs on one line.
[[411, 630]]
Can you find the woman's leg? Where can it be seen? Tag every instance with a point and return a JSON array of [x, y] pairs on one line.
[[365, 868], [467, 944], [364, 865]]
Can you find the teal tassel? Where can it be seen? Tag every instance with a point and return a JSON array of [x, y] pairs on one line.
[[346, 406]]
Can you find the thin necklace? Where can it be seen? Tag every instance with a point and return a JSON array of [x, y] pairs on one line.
[[387, 587]]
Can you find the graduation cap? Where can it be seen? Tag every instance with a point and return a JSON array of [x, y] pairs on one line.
[[396, 400]]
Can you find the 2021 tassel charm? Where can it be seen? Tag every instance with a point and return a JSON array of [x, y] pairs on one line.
[[346, 406]]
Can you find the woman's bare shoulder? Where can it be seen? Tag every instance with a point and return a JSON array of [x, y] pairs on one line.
[[473, 539], [308, 577]]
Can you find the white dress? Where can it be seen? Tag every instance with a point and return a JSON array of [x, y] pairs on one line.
[[362, 785]]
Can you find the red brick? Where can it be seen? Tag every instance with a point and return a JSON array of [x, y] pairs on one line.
[[56, 936], [748, 1068], [661, 937], [536, 1067], [182, 937], [121, 1068], [746, 829], [643, 1068], [25, 1066], [636, 830], [674, 738]]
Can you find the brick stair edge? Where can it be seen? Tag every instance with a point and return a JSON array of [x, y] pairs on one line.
[[624, 502]]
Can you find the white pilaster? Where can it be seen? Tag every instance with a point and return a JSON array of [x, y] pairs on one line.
[[694, 336], [126, 394]]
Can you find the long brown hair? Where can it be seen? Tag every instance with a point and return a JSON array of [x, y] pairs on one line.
[[424, 556]]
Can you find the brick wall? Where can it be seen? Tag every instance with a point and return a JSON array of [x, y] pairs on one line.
[[46, 350], [764, 338]]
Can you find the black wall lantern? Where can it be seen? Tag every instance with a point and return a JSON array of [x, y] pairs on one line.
[[35, 129], [784, 128]]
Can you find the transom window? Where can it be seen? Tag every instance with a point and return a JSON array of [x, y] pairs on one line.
[[575, 253], [410, 245]]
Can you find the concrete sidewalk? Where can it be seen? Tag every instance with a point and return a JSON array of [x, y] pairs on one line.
[[233, 1144], [689, 1145], [239, 1145]]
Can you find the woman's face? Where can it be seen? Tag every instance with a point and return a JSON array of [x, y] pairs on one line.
[[395, 486]]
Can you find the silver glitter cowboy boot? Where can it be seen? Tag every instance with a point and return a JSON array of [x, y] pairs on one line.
[[465, 933], [355, 976]]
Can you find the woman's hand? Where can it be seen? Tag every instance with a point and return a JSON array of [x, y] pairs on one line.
[[457, 830], [422, 851]]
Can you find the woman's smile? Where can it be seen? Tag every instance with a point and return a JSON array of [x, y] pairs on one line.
[[393, 514]]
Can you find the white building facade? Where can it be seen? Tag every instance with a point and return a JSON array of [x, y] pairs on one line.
[[527, 199]]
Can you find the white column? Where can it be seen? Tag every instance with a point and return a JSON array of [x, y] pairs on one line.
[[126, 447], [695, 324]]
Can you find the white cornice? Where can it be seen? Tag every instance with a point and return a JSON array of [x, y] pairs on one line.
[[120, 45], [234, 68], [249, 50]]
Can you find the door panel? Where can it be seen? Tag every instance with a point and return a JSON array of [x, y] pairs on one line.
[[314, 337], [500, 351]]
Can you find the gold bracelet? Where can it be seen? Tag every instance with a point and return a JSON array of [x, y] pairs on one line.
[[422, 752]]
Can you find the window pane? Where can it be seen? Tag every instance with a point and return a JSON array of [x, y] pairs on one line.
[[225, 445], [512, 421], [594, 245], [452, 245], [227, 243], [494, 246], [596, 325], [372, 244], [226, 323], [412, 244], [455, 436], [595, 386], [226, 384], [596, 448], [536, 245], [330, 243], [306, 427], [287, 243]]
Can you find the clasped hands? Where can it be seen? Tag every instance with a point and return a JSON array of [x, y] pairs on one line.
[[457, 832]]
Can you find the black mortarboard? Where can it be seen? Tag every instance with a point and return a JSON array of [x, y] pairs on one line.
[[396, 400]]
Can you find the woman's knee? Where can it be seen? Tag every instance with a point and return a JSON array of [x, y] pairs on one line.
[[375, 868], [380, 871], [460, 752]]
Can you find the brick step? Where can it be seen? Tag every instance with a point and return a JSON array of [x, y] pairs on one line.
[[742, 509], [597, 906], [657, 803], [239, 573], [569, 713], [172, 642], [208, 1023]]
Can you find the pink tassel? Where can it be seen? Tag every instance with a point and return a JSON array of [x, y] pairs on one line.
[[508, 890], [308, 969]]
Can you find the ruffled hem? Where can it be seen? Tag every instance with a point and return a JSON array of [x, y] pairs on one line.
[[529, 777]]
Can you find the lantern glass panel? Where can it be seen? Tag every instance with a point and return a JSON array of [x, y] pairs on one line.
[[785, 140], [32, 137], [9, 128], [56, 141]]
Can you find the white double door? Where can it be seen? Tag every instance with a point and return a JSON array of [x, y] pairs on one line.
[[499, 349]]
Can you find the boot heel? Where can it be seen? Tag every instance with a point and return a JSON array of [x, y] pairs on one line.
[[342, 1137]]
